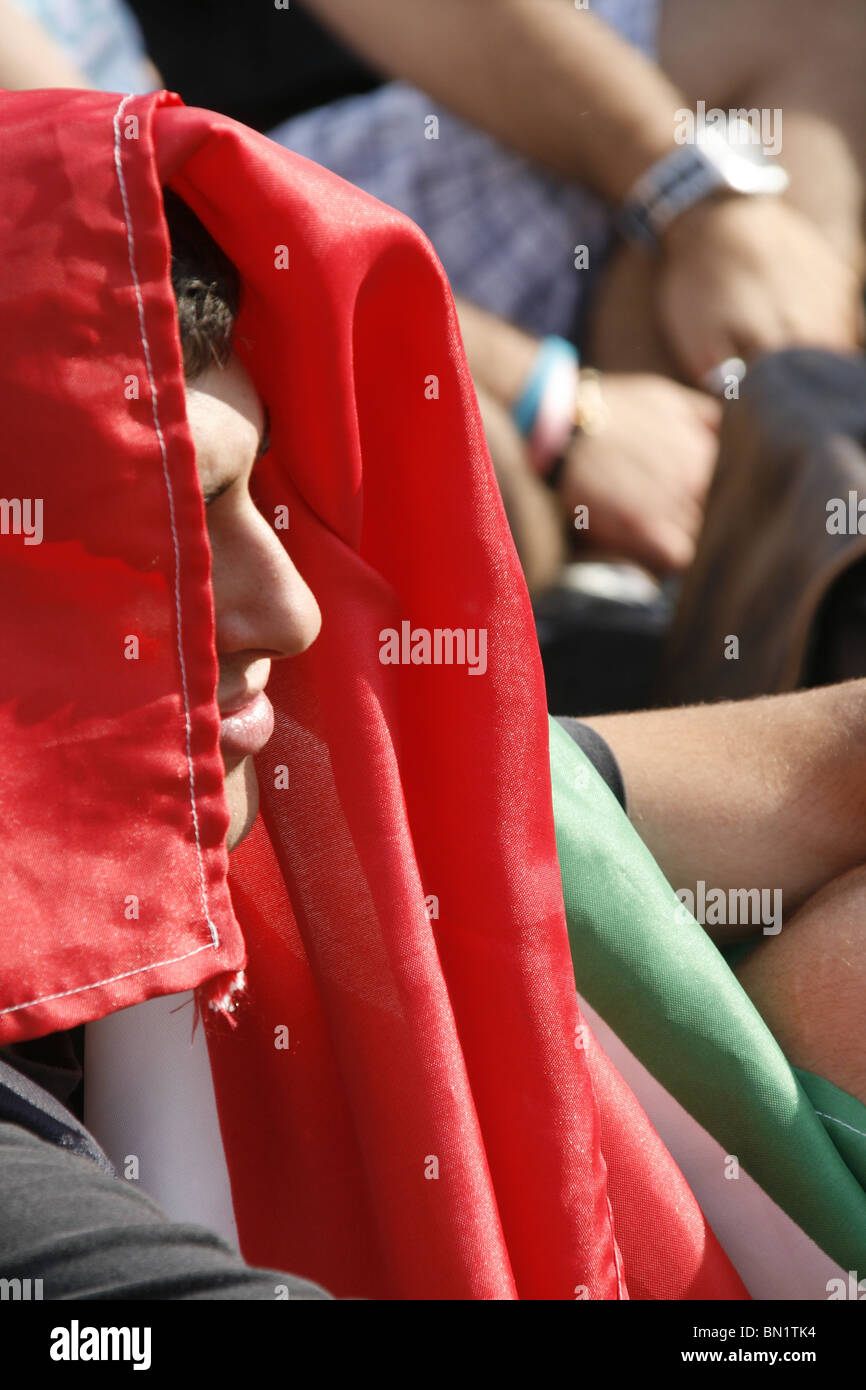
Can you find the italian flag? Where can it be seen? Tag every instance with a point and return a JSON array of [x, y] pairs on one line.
[[776, 1157]]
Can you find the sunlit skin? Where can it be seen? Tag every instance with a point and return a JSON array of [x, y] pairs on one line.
[[809, 982], [264, 610]]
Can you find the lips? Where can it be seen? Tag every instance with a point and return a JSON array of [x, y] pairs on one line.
[[246, 730]]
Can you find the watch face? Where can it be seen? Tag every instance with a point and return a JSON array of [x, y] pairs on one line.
[[742, 137], [741, 160]]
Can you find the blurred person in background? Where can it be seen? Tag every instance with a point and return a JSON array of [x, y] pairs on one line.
[[536, 142], [784, 783], [547, 116]]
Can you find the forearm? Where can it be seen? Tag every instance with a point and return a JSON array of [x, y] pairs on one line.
[[29, 57], [767, 793], [501, 358], [529, 506], [550, 81], [500, 355]]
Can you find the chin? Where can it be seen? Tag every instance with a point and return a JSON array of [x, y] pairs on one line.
[[242, 796]]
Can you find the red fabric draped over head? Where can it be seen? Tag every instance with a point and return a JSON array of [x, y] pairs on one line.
[[430, 1128]]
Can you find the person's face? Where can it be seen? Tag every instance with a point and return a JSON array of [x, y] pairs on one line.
[[263, 608]]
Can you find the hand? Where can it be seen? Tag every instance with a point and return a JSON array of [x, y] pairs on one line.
[[645, 477], [743, 275]]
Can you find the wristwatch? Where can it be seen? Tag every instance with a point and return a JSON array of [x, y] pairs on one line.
[[678, 181]]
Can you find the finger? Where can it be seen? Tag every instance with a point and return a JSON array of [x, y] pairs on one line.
[[702, 458], [698, 347], [708, 408], [657, 538], [771, 335], [690, 516], [673, 549]]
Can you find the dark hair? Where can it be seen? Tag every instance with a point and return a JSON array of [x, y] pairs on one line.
[[206, 286]]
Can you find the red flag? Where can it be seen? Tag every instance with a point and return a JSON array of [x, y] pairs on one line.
[[431, 1130]]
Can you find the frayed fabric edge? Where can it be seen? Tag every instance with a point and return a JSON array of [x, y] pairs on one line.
[[222, 996]]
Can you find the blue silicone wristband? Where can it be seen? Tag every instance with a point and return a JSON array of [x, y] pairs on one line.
[[551, 351]]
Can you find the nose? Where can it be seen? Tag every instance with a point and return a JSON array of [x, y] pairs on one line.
[[261, 602]]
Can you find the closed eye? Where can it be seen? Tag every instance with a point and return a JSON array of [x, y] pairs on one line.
[[212, 494]]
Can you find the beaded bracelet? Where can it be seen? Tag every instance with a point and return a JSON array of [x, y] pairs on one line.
[[544, 412]]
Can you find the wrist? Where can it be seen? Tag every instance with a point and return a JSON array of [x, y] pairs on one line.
[[575, 478], [697, 222], [712, 168], [544, 410]]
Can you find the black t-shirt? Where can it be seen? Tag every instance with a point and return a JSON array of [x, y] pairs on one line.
[[255, 63]]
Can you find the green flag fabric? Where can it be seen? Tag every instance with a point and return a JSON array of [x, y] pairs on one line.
[[776, 1157]]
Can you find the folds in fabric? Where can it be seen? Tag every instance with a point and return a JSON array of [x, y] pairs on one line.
[[792, 1208], [432, 1130]]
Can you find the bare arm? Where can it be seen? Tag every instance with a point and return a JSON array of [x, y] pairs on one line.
[[643, 480], [738, 275], [759, 793], [501, 357], [500, 354], [29, 57], [553, 82]]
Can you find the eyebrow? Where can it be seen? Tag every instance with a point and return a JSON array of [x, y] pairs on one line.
[[211, 494]]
